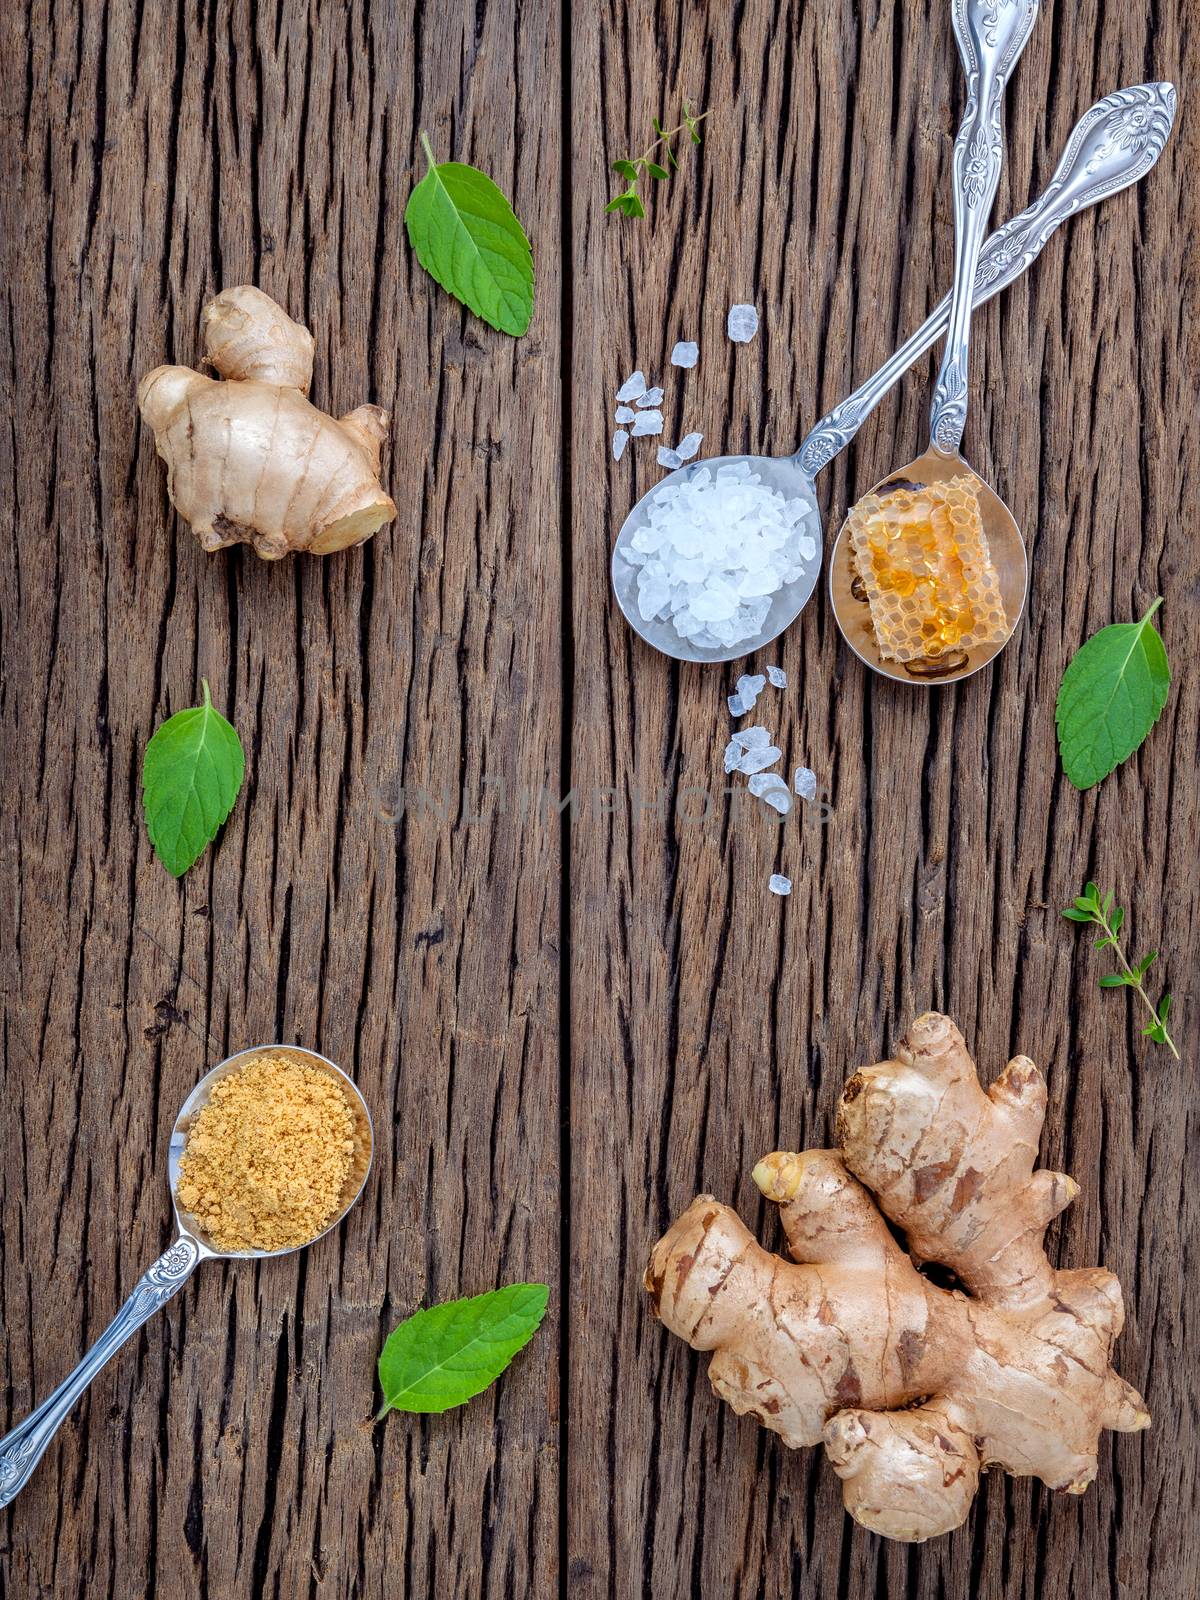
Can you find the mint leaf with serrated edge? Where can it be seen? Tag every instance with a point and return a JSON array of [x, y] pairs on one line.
[[441, 1357], [1112, 693], [191, 773], [466, 235]]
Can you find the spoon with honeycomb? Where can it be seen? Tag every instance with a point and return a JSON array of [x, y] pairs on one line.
[[929, 573]]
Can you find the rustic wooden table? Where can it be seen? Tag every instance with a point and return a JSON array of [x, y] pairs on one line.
[[566, 1021]]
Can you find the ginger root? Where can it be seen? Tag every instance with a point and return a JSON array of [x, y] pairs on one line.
[[914, 1389], [249, 460]]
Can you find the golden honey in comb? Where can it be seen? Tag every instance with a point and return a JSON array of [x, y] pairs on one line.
[[923, 559]]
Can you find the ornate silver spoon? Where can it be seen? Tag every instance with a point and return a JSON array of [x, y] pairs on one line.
[[1114, 144], [22, 1449], [900, 510]]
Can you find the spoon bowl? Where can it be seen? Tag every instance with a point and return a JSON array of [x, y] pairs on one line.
[[22, 1449], [778, 472], [361, 1157], [851, 608]]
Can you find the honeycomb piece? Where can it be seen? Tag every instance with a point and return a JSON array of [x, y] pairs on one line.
[[923, 559]]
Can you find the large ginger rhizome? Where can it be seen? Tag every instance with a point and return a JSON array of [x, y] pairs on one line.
[[913, 1389]]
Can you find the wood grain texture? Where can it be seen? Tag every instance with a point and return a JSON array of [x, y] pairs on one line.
[[156, 154], [713, 1023], [565, 1023]]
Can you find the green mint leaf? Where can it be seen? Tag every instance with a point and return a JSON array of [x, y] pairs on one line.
[[1118, 917], [1111, 696], [1085, 904], [1092, 893], [191, 774], [1113, 980], [1164, 1005], [656, 171], [625, 169], [467, 236], [634, 206], [443, 1356], [1144, 964], [1073, 914]]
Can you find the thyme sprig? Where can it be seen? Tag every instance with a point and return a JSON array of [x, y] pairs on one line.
[[1091, 907], [634, 169]]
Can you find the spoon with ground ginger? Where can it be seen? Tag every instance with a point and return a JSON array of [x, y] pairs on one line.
[[269, 1152]]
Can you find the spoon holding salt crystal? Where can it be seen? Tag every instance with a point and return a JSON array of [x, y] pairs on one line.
[[22, 1449], [1114, 144]]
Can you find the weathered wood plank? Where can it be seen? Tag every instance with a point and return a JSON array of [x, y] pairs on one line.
[[712, 1023], [155, 155]]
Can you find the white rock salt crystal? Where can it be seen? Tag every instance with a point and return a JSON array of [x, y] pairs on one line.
[[688, 445], [770, 787], [750, 686], [742, 324], [736, 708], [647, 422], [749, 738], [758, 757], [620, 440], [715, 603], [652, 397], [685, 354], [806, 783], [632, 387], [778, 884], [624, 414], [669, 458], [777, 676], [733, 754]]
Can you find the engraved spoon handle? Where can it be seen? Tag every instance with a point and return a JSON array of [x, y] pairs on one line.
[[1112, 145], [990, 35], [22, 1449]]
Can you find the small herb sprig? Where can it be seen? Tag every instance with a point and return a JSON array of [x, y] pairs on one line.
[[1091, 907], [635, 168]]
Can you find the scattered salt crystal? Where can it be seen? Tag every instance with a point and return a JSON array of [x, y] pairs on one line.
[[742, 324], [806, 783], [749, 686], [778, 884], [733, 754], [632, 387], [685, 354], [749, 738], [647, 422], [624, 414], [736, 708], [652, 397], [669, 458], [777, 676], [688, 445], [758, 757], [620, 440], [770, 787]]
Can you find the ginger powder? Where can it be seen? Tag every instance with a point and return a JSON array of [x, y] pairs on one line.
[[267, 1158]]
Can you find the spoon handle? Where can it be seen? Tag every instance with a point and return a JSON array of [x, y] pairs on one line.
[[990, 35], [1112, 145], [22, 1449]]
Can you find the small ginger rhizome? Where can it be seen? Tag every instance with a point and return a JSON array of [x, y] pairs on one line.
[[914, 1389]]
